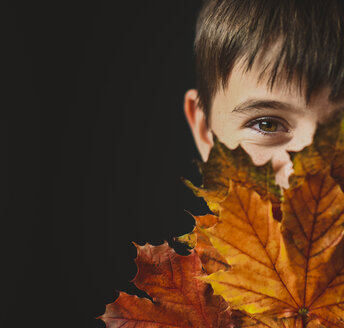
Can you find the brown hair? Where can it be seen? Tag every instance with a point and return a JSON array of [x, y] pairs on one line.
[[311, 34]]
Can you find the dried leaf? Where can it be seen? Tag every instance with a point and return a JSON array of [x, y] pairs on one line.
[[293, 269], [224, 164], [212, 260], [179, 299], [327, 149]]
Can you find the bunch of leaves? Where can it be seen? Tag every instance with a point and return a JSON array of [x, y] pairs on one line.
[[288, 273], [282, 274], [272, 258]]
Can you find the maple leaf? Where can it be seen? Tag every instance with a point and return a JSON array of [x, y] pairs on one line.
[[327, 149], [211, 259], [244, 320], [288, 274], [224, 164], [179, 300]]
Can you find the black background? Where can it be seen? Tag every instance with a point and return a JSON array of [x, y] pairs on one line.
[[93, 143]]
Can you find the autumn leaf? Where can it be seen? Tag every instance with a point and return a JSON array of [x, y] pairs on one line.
[[243, 320], [211, 259], [224, 164], [291, 271], [179, 299], [327, 149]]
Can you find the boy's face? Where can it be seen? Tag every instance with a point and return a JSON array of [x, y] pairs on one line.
[[265, 123]]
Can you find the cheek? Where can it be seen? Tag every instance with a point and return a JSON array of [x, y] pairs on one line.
[[260, 155]]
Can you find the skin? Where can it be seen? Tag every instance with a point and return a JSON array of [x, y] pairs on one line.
[[288, 121]]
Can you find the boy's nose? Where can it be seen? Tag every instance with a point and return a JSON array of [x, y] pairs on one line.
[[280, 159], [283, 174], [283, 167]]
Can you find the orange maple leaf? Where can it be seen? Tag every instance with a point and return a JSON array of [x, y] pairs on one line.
[[212, 260], [179, 300], [224, 165], [291, 271]]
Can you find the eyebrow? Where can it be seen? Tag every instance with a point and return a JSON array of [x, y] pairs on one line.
[[261, 104], [257, 105]]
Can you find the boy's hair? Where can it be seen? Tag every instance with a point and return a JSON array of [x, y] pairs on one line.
[[310, 34]]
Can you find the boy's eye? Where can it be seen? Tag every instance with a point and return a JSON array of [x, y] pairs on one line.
[[267, 125]]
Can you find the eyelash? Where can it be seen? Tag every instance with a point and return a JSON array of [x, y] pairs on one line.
[[262, 119]]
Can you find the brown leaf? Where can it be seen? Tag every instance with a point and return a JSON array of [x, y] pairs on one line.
[[211, 259], [224, 164], [179, 299], [337, 168], [293, 269], [327, 149]]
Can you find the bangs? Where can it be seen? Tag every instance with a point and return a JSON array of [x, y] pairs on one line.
[[309, 35]]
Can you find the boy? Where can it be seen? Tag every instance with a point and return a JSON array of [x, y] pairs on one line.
[[268, 71]]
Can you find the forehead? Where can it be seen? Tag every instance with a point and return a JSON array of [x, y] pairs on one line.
[[258, 78], [256, 83], [245, 85]]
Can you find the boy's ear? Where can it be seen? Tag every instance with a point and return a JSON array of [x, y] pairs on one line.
[[197, 122]]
